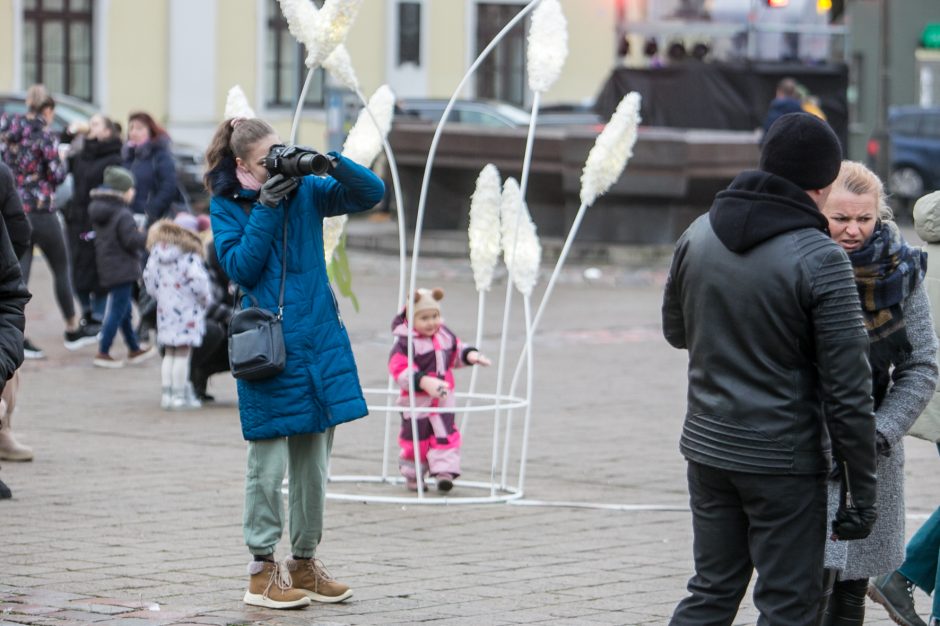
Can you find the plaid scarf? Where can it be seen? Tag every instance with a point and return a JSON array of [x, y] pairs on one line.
[[887, 270]]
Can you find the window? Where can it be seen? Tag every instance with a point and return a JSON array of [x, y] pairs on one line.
[[906, 125], [502, 74], [930, 125], [284, 71], [482, 118], [57, 45], [409, 33]]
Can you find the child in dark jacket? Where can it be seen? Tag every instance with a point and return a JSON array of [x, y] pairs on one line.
[[118, 245], [437, 351]]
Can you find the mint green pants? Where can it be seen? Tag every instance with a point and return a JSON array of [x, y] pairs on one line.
[[306, 460]]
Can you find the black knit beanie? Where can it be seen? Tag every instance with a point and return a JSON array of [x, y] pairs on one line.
[[803, 149]]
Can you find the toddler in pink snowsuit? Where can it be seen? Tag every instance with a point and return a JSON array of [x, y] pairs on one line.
[[437, 351]]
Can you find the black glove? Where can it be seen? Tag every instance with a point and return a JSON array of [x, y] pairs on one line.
[[853, 523], [852, 520], [882, 447], [276, 189]]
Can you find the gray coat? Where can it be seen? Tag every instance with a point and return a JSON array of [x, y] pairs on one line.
[[927, 223], [913, 384]]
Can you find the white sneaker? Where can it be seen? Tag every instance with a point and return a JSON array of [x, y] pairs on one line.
[[191, 399], [180, 400], [165, 399], [30, 351]]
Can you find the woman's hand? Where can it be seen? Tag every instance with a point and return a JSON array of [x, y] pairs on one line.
[[276, 189]]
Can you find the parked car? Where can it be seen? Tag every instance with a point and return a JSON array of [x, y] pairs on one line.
[[189, 159], [913, 151], [492, 114]]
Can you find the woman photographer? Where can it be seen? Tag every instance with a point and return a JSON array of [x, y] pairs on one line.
[[288, 419]]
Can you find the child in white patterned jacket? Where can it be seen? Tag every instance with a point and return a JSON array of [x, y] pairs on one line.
[[176, 277]]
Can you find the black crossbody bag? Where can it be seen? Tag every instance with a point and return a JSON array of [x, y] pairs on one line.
[[256, 336]]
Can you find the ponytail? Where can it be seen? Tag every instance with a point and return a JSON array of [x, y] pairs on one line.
[[218, 150], [234, 138]]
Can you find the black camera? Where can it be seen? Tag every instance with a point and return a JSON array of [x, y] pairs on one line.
[[296, 161]]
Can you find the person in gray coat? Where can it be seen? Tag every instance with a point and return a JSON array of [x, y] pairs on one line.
[[889, 275]]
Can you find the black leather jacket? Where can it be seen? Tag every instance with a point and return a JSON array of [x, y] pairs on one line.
[[767, 306]]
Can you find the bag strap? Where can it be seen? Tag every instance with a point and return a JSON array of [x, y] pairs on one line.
[[280, 297], [239, 292]]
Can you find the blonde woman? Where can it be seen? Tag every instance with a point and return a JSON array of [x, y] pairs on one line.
[[889, 275]]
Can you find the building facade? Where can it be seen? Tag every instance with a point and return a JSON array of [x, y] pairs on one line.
[[177, 59]]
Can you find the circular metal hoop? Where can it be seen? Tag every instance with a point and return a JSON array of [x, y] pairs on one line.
[[502, 402], [501, 495], [498, 494]]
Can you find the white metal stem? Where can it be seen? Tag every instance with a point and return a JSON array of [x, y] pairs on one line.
[[523, 185], [426, 180], [386, 439], [499, 380], [551, 286], [530, 142], [481, 303], [422, 203], [295, 124], [400, 209], [399, 202], [507, 437], [524, 454]]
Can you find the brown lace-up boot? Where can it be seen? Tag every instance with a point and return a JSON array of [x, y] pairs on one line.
[[270, 587], [311, 577]]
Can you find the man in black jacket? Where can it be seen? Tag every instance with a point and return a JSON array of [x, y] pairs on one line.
[[13, 293], [766, 304]]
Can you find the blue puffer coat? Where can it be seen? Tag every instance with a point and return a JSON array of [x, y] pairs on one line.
[[319, 387]]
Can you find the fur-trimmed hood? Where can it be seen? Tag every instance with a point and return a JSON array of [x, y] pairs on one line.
[[176, 239]]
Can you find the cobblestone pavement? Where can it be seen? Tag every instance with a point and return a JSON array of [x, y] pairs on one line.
[[131, 515]]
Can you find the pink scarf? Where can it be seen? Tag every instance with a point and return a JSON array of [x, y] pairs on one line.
[[246, 179]]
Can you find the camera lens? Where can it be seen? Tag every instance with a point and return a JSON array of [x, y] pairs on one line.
[[296, 161], [313, 163]]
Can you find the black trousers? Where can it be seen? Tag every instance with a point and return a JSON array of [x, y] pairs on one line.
[[209, 358], [48, 235], [775, 524]]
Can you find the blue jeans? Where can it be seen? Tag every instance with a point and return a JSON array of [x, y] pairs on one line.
[[118, 315], [93, 302]]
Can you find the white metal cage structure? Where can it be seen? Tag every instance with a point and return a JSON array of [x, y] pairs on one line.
[[517, 241]]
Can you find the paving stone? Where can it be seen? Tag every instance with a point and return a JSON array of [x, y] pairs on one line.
[[152, 512]]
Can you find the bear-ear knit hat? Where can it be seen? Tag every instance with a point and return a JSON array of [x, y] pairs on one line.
[[118, 178], [803, 149], [426, 299], [927, 217]]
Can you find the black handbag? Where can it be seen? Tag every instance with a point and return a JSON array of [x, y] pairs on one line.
[[256, 336]]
